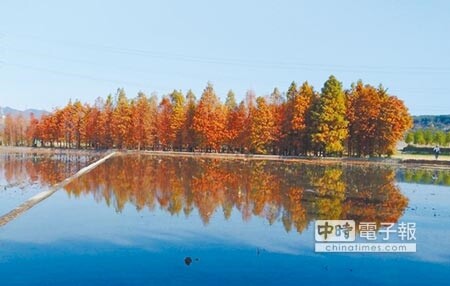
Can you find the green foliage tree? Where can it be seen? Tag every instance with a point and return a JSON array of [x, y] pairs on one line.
[[328, 115], [409, 138], [292, 91], [419, 138], [230, 102], [439, 138], [428, 136]]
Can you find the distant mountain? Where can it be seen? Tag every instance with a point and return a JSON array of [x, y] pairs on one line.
[[26, 113], [440, 122]]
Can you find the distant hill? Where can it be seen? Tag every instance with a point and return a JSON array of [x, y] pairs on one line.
[[25, 113], [440, 122], [8, 110]]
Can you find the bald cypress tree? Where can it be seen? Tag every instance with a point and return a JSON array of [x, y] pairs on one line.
[[289, 145], [121, 119], [300, 117], [328, 116], [230, 102], [177, 119], [190, 136], [209, 120], [262, 127]]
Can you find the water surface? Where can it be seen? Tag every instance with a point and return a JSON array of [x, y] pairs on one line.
[[135, 220], [23, 175]]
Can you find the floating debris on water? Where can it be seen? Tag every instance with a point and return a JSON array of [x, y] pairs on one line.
[[188, 261]]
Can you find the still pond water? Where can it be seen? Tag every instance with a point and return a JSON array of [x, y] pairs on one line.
[[146, 220]]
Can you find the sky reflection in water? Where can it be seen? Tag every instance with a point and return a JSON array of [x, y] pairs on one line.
[[134, 219]]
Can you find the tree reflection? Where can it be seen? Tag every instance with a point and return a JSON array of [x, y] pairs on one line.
[[293, 194], [425, 176], [27, 169]]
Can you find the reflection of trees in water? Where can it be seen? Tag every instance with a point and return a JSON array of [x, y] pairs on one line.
[[23, 169], [425, 176], [372, 195], [294, 194]]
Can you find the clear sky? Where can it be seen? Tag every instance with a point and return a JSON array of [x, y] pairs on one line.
[[53, 51]]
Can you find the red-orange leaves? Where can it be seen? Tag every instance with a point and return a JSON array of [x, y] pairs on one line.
[[209, 120]]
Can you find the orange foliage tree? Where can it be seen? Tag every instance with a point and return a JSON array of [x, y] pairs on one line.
[[164, 129], [121, 121], [209, 120], [189, 134], [376, 121], [177, 119], [263, 127], [143, 118]]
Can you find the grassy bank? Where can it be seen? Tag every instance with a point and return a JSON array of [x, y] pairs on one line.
[[424, 150]]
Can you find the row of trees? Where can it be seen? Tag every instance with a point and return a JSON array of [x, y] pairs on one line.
[[361, 121], [17, 129], [428, 137]]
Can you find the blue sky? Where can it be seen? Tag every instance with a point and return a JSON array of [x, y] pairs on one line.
[[53, 51]]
